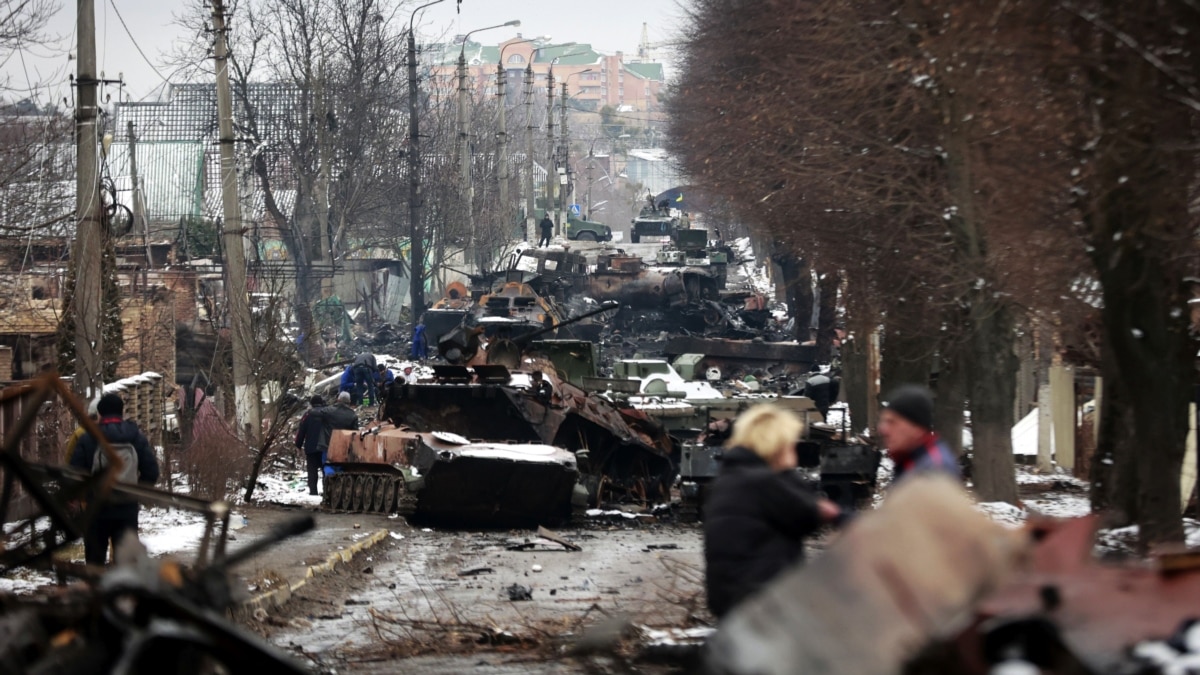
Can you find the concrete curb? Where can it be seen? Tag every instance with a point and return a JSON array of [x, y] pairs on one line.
[[276, 598]]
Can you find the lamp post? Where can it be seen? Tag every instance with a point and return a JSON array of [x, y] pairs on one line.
[[530, 164], [464, 146], [502, 149], [551, 150], [416, 266], [566, 142]]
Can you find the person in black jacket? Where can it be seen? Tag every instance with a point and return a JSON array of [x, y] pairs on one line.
[[758, 510], [119, 515], [308, 439], [547, 227]]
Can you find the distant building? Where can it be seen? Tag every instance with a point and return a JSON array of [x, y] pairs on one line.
[[610, 80]]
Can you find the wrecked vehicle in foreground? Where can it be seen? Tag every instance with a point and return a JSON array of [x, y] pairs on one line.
[[443, 478]]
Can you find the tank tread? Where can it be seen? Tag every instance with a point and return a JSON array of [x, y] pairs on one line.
[[356, 492]]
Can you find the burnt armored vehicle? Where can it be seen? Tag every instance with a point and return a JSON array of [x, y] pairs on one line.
[[622, 457], [443, 478]]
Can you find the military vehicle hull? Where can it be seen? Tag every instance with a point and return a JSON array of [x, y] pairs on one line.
[[447, 480], [623, 457]]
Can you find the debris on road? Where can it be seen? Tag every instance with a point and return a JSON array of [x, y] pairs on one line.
[[519, 593]]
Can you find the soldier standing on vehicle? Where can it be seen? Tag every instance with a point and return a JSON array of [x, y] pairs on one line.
[[139, 466], [547, 226]]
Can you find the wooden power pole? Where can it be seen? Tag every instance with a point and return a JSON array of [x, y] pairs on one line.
[[530, 203], [89, 235], [139, 206], [247, 399]]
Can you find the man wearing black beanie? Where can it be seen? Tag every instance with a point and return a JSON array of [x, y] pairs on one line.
[[906, 427]]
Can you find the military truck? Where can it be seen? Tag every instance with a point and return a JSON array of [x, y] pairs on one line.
[[586, 230]]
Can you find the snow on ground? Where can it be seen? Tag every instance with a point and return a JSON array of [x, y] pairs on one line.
[[290, 488], [171, 531]]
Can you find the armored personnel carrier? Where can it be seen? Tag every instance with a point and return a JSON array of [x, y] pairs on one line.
[[443, 478]]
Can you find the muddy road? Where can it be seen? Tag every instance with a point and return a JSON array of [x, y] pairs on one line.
[[435, 601]]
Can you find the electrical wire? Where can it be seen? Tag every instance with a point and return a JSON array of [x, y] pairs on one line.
[[134, 41]]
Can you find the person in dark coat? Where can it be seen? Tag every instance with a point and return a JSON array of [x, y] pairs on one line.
[[119, 515], [547, 226], [906, 428], [340, 416], [758, 510], [385, 380], [308, 439]]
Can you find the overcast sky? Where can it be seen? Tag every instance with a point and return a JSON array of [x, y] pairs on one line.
[[609, 25]]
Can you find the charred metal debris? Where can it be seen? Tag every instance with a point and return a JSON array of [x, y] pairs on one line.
[[140, 615], [562, 385]]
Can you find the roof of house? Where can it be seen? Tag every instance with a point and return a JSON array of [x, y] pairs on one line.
[[570, 55], [646, 71]]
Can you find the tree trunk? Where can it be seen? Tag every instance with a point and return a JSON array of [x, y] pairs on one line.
[[797, 282], [1138, 224], [827, 319], [991, 387], [907, 351], [950, 399]]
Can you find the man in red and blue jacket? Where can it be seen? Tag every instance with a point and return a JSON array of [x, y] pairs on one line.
[[906, 427]]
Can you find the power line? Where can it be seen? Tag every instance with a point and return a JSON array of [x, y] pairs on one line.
[[135, 42]]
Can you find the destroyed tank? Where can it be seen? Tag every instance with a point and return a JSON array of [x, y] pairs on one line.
[[621, 457], [445, 479]]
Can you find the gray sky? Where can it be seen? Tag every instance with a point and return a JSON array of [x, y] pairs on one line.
[[609, 25]]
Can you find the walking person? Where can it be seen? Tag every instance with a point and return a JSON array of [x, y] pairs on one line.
[[759, 510], [547, 226], [308, 440], [906, 428], [339, 416], [139, 466]]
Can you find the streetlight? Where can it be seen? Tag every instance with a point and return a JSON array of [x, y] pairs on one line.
[[502, 169], [550, 149], [530, 199], [464, 140], [566, 142], [416, 265]]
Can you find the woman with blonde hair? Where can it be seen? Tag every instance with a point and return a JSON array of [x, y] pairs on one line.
[[759, 509]]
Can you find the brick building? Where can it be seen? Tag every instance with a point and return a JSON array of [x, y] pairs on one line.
[[610, 80]]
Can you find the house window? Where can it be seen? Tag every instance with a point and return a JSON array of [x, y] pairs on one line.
[[516, 58]]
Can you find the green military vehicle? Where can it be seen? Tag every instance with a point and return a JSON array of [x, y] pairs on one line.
[[587, 230]]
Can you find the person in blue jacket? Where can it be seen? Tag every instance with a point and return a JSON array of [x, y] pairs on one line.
[[119, 514], [420, 343], [906, 428], [383, 380], [347, 382]]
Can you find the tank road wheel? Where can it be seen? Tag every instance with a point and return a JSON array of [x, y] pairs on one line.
[[356, 493], [341, 492], [333, 492], [385, 489], [327, 501], [375, 495]]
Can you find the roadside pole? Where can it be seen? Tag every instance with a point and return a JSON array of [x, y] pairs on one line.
[[89, 235]]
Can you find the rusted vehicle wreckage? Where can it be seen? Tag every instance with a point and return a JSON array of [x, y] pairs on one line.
[[519, 451], [526, 445], [141, 615]]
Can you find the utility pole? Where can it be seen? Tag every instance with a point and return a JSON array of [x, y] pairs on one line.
[[247, 400], [530, 203], [502, 170], [551, 173], [464, 162], [416, 242], [89, 234], [139, 206], [564, 205]]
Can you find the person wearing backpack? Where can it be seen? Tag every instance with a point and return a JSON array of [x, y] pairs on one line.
[[120, 514]]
